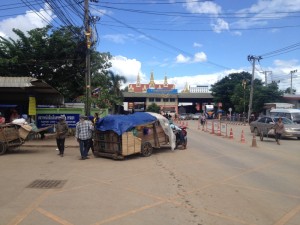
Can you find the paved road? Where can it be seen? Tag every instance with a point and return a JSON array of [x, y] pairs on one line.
[[216, 181]]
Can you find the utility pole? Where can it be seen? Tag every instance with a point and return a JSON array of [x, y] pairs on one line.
[[292, 72], [88, 59], [266, 76], [244, 83], [252, 59]]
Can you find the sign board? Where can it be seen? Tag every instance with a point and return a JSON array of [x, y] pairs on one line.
[[45, 120], [32, 106], [162, 91], [230, 109]]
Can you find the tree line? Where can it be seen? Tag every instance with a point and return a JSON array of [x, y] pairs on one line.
[[57, 56]]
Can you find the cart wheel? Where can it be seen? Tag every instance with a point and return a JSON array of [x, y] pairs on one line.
[[261, 136], [3, 148], [146, 149]]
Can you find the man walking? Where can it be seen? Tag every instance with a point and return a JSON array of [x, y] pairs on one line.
[[83, 135], [61, 131]]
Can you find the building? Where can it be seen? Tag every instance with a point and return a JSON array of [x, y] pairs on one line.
[[166, 96]]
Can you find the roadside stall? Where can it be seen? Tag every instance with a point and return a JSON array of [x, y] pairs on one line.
[[117, 136]]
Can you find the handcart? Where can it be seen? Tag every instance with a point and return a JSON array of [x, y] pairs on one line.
[[9, 137], [118, 136]]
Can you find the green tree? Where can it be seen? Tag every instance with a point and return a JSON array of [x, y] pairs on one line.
[[229, 90], [56, 56], [234, 91], [153, 108], [265, 94], [288, 91], [110, 94]]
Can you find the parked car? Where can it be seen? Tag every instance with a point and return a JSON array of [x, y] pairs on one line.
[[190, 116], [264, 126], [196, 116], [183, 116]]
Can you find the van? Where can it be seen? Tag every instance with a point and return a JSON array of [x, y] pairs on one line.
[[292, 114]]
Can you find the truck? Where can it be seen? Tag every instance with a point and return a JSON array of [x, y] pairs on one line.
[[209, 111]]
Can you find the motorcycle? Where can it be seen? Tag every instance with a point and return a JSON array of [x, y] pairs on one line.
[[181, 137]]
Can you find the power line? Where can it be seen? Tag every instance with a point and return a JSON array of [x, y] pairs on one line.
[[162, 42]]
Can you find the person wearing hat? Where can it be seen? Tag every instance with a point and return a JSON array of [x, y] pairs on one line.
[[61, 132], [2, 119], [84, 129]]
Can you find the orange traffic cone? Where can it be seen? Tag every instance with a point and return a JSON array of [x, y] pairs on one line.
[[219, 131], [231, 134], [242, 137]]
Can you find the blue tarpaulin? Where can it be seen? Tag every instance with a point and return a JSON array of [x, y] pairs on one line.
[[122, 123]]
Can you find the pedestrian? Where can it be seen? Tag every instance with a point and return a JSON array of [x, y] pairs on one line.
[[84, 129], [61, 132], [13, 115], [202, 119], [93, 121], [2, 119], [96, 118], [279, 129]]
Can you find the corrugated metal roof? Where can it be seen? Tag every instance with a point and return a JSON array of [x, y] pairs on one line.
[[16, 81], [17, 89]]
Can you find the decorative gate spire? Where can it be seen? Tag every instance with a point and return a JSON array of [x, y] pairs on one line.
[[151, 83], [138, 80]]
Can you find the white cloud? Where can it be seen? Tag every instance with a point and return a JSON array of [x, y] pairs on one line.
[[264, 10], [128, 68], [200, 57], [29, 21], [206, 7], [197, 45], [219, 25], [210, 8], [182, 59]]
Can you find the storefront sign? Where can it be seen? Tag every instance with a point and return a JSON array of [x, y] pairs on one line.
[[32, 106], [45, 120], [162, 91]]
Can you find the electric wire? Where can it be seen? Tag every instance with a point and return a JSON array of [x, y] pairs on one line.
[[164, 43]]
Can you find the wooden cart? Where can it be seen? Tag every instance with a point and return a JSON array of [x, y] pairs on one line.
[[142, 139], [10, 137]]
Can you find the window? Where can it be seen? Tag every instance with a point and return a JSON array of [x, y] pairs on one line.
[[172, 99], [166, 99], [151, 99], [157, 100], [269, 120]]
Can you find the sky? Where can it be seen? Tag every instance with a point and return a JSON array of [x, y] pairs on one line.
[[191, 42]]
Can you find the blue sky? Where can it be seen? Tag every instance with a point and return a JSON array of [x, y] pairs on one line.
[[191, 42]]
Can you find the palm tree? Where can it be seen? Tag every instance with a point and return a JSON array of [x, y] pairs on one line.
[[115, 81]]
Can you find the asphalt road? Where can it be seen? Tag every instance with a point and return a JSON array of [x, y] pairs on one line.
[[216, 181]]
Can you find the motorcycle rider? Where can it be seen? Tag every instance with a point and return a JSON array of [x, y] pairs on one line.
[[179, 130]]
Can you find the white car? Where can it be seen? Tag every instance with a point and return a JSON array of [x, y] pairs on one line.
[[196, 116]]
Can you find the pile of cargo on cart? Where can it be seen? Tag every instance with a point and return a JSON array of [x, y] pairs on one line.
[[15, 133], [117, 136]]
